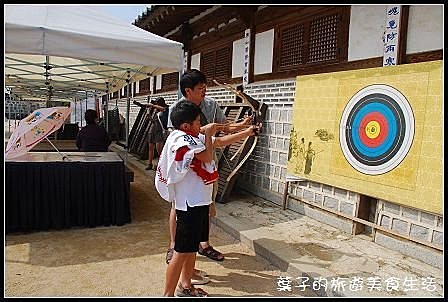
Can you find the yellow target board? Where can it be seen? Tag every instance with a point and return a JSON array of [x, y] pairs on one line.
[[375, 131]]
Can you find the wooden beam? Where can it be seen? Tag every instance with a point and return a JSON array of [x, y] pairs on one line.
[[401, 55], [368, 223], [186, 35], [246, 14]]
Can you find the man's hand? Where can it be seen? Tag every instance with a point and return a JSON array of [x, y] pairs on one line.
[[253, 130], [247, 120]]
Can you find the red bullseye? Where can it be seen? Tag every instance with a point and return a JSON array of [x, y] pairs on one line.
[[383, 129]]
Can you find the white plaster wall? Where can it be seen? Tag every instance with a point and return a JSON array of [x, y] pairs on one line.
[[137, 87], [196, 61], [264, 46], [151, 84], [367, 24], [425, 28], [238, 58], [159, 82]]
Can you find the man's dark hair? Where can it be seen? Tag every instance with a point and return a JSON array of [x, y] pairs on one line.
[[191, 78], [90, 116], [184, 112]]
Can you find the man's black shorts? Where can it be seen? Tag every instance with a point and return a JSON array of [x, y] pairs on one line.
[[192, 227]]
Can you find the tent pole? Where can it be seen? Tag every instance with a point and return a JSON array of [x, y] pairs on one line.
[[47, 83], [184, 67], [106, 120], [80, 107], [9, 111], [128, 105]]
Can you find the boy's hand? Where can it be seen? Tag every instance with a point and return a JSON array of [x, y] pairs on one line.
[[209, 129], [212, 210]]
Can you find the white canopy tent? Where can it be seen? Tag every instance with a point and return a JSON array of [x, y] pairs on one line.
[[67, 51]]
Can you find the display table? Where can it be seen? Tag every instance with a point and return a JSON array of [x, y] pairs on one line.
[[68, 145], [44, 192]]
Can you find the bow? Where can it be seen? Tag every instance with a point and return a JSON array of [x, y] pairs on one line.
[[255, 106], [258, 111]]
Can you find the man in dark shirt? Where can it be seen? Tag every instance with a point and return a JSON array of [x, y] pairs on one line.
[[92, 137]]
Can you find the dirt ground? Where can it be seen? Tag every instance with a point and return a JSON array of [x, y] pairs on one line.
[[126, 261]]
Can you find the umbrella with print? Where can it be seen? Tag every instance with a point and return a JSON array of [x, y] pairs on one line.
[[34, 128]]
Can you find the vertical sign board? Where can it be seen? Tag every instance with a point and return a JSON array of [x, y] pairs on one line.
[[391, 35], [246, 57], [185, 61]]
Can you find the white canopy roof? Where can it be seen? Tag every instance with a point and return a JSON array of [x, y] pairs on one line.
[[72, 48]]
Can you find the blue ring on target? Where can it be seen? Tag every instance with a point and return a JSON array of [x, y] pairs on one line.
[[391, 121], [389, 106], [391, 116]]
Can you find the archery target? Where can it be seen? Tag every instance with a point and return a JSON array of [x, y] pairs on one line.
[[376, 129]]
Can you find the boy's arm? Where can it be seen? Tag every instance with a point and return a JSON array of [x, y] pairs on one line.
[[206, 156]]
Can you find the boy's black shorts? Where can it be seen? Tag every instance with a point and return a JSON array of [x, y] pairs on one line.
[[192, 227]]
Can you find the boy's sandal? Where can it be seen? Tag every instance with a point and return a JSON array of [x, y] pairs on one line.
[[190, 292], [169, 255], [211, 253]]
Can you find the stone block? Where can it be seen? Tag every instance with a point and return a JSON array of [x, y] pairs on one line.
[[340, 193], [347, 208], [331, 203], [419, 232], [327, 189], [400, 226], [391, 208], [427, 218], [308, 195], [437, 238], [385, 221], [409, 213], [411, 249]]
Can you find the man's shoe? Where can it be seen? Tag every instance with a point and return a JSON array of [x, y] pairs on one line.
[[190, 292]]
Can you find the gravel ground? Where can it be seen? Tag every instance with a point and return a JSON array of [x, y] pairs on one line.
[[126, 261]]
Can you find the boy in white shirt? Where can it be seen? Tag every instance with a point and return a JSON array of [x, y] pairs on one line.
[[185, 176]]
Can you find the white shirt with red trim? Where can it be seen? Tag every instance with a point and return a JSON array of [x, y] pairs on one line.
[[176, 180]]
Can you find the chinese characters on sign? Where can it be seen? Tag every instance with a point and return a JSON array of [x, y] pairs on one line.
[[340, 284], [246, 57], [185, 60], [391, 35]]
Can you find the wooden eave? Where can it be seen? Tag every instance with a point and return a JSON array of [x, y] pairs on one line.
[[164, 18]]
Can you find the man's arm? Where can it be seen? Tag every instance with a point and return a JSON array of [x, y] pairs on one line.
[[232, 138], [236, 127]]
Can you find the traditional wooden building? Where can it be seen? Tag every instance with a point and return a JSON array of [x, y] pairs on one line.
[[265, 47]]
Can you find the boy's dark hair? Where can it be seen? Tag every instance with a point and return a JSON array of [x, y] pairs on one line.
[[90, 116], [184, 112], [191, 78]]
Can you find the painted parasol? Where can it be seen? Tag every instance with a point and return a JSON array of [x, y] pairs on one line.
[[34, 128]]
